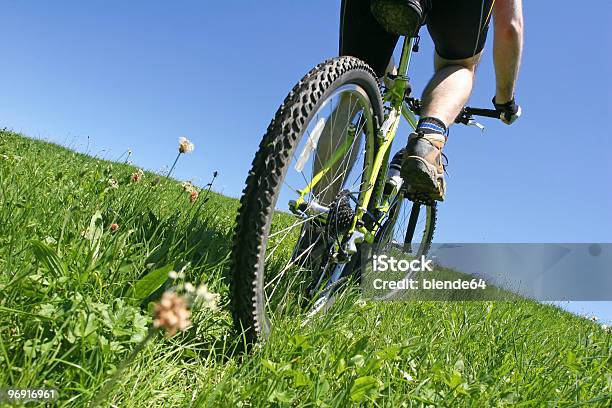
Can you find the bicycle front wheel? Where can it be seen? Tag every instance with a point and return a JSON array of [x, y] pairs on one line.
[[318, 150]]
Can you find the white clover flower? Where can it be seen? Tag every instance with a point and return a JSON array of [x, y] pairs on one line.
[[181, 273], [209, 299], [189, 288], [137, 176], [185, 146], [173, 275], [187, 186], [406, 376]]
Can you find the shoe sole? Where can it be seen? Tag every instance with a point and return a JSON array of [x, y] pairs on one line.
[[422, 178], [396, 16]]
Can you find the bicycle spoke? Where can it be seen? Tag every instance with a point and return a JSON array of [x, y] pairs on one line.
[[300, 222]]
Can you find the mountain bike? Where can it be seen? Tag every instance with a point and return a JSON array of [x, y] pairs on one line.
[[321, 187]]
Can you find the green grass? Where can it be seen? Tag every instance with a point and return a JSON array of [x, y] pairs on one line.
[[69, 314]]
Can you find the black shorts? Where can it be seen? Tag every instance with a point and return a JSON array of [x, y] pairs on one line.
[[458, 29]]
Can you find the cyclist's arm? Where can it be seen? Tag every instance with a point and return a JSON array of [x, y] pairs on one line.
[[507, 46]]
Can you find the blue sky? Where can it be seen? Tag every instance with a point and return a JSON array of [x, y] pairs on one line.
[[137, 75]]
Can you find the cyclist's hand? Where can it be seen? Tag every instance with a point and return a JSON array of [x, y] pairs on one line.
[[510, 111]]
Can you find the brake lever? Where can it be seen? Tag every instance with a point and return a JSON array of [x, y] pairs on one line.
[[467, 119], [472, 122]]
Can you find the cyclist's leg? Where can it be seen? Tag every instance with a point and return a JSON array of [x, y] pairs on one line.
[[458, 30], [449, 89], [361, 36]]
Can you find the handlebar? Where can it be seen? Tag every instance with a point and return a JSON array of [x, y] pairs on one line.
[[466, 116]]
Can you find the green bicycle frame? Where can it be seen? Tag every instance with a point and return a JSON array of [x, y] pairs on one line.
[[398, 108], [386, 134]]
